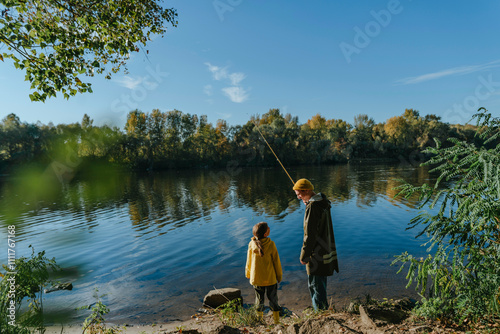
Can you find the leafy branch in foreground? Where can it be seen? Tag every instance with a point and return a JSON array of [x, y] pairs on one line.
[[464, 234], [95, 323], [30, 276], [55, 41]]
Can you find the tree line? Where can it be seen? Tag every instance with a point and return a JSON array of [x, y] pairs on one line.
[[174, 139]]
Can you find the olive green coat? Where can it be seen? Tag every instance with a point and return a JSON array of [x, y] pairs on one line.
[[318, 248]]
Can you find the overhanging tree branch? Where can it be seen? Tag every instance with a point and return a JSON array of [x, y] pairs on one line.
[[56, 40]]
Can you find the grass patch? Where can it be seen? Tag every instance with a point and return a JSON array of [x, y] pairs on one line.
[[234, 314]]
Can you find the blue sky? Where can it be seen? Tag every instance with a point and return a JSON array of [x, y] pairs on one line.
[[230, 59]]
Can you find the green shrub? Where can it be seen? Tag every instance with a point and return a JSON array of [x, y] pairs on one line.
[[25, 279], [95, 323], [434, 308], [463, 265]]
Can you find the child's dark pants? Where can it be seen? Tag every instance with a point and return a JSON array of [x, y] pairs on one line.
[[272, 294]]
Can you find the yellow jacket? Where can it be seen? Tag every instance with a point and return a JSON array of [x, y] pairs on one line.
[[263, 270]]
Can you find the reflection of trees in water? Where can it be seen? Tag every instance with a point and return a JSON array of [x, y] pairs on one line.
[[337, 186], [267, 191], [173, 199], [365, 182], [35, 190], [383, 180], [417, 176], [335, 182]]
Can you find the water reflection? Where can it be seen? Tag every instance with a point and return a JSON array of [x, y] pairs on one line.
[[173, 199], [158, 241]]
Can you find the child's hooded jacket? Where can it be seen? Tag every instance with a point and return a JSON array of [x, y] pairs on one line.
[[263, 270]]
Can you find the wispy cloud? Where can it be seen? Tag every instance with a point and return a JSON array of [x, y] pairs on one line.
[[235, 93], [128, 82], [207, 90], [236, 78], [219, 73], [451, 71]]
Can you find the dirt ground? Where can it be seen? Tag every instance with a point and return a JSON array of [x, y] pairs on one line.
[[329, 322], [369, 319]]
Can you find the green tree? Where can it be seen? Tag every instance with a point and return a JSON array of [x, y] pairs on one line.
[[174, 134], [11, 133], [290, 137], [275, 129], [338, 134], [316, 127], [56, 41], [313, 141], [270, 117], [245, 143], [337, 129], [87, 144], [433, 128], [19, 142], [205, 142], [363, 126], [464, 266], [379, 138], [400, 130], [403, 131], [156, 124], [136, 130], [223, 148], [188, 126], [87, 122], [361, 136]]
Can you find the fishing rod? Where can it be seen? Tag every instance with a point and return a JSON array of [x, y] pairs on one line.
[[257, 127]]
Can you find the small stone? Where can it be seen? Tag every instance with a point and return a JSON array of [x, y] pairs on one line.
[[57, 287]]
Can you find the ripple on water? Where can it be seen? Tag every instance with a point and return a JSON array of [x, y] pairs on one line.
[[155, 254]]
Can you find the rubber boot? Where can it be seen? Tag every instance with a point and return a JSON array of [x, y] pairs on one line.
[[260, 315], [276, 316]]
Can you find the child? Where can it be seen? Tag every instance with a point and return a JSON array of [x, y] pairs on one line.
[[263, 268]]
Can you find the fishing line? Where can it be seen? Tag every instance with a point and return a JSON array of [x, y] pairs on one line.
[[257, 127]]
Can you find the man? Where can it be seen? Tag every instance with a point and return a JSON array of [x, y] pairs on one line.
[[318, 250]]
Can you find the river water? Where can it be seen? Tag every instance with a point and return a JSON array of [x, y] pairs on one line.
[[155, 244]]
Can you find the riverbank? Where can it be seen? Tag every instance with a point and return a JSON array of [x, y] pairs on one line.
[[172, 327], [367, 320], [369, 316]]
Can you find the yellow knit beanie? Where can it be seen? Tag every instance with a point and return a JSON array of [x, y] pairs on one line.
[[303, 184]]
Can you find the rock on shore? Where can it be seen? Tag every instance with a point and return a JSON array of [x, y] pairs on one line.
[[218, 297]]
